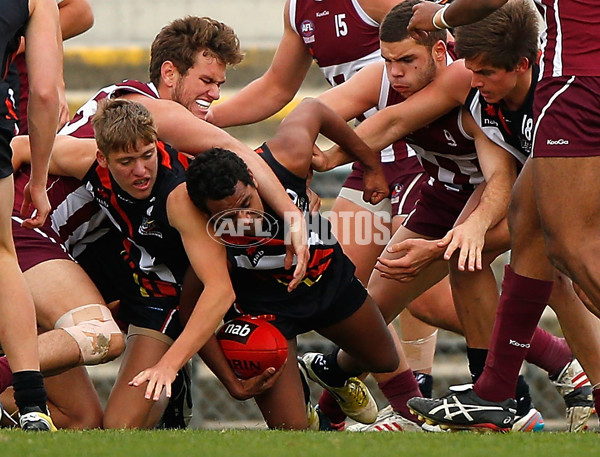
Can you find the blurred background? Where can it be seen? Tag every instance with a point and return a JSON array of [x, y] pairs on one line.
[[117, 48]]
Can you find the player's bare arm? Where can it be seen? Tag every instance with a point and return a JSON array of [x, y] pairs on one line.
[[273, 90], [499, 170], [447, 91], [70, 156], [301, 128], [459, 12], [208, 259], [43, 57], [240, 389], [377, 9]]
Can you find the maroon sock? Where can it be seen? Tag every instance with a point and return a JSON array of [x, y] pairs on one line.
[[549, 352], [521, 305], [399, 390], [5, 374], [596, 393], [330, 408]]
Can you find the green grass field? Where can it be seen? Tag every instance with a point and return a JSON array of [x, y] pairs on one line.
[[251, 443]]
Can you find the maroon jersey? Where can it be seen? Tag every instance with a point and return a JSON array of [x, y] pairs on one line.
[[446, 152], [81, 124], [571, 42], [339, 35]]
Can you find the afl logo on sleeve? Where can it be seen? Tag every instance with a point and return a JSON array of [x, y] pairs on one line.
[[307, 30]]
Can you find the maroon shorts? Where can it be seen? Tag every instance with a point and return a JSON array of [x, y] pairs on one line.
[[567, 113], [37, 245], [436, 210], [404, 177]]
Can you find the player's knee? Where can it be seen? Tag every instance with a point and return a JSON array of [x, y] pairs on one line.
[[385, 362], [95, 332]]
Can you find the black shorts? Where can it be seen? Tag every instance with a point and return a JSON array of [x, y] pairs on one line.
[[160, 314], [335, 297], [6, 168]]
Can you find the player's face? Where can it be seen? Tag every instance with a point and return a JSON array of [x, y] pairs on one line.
[[201, 85], [409, 66], [244, 208], [494, 84], [134, 171]]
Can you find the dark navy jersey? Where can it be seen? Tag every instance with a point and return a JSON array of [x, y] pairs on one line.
[[512, 130], [258, 274], [14, 16], [152, 248]]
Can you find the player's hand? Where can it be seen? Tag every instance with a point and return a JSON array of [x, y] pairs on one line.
[[422, 19], [63, 110], [405, 260], [296, 246], [468, 238], [330, 159], [36, 207], [256, 385], [376, 186], [158, 378]]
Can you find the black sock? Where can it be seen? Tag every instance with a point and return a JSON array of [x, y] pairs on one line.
[[476, 359], [29, 390], [327, 368], [523, 396]]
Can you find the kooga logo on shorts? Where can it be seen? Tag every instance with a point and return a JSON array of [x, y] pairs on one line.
[[557, 142]]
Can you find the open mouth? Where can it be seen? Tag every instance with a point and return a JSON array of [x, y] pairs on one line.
[[141, 184], [204, 104]]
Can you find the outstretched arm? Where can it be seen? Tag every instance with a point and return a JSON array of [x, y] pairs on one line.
[[447, 91], [459, 12], [266, 95], [499, 169], [293, 142], [208, 259]]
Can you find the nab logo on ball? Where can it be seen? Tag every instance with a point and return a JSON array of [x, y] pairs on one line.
[[251, 345]]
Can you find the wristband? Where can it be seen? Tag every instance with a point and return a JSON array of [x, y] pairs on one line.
[[440, 15]]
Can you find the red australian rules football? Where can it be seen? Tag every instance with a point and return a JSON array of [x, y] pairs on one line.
[[251, 345]]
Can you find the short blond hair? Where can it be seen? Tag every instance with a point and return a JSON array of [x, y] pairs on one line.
[[120, 125]]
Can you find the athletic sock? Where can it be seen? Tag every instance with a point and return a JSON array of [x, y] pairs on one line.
[[399, 390], [523, 397], [549, 352], [476, 358], [521, 305], [330, 407], [327, 368], [6, 375], [29, 390]]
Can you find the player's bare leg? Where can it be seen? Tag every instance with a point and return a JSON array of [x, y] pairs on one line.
[[47, 280], [128, 407], [283, 405]]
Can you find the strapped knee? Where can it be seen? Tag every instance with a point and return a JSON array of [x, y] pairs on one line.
[[92, 327]]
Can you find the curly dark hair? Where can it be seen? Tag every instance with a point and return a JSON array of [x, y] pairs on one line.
[[182, 40], [214, 174]]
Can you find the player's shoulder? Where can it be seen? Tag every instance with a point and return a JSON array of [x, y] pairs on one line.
[[456, 78]]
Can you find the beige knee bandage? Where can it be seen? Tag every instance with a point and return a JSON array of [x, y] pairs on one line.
[[419, 353], [91, 326]]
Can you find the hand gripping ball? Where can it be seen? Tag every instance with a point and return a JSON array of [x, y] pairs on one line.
[[251, 345]]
